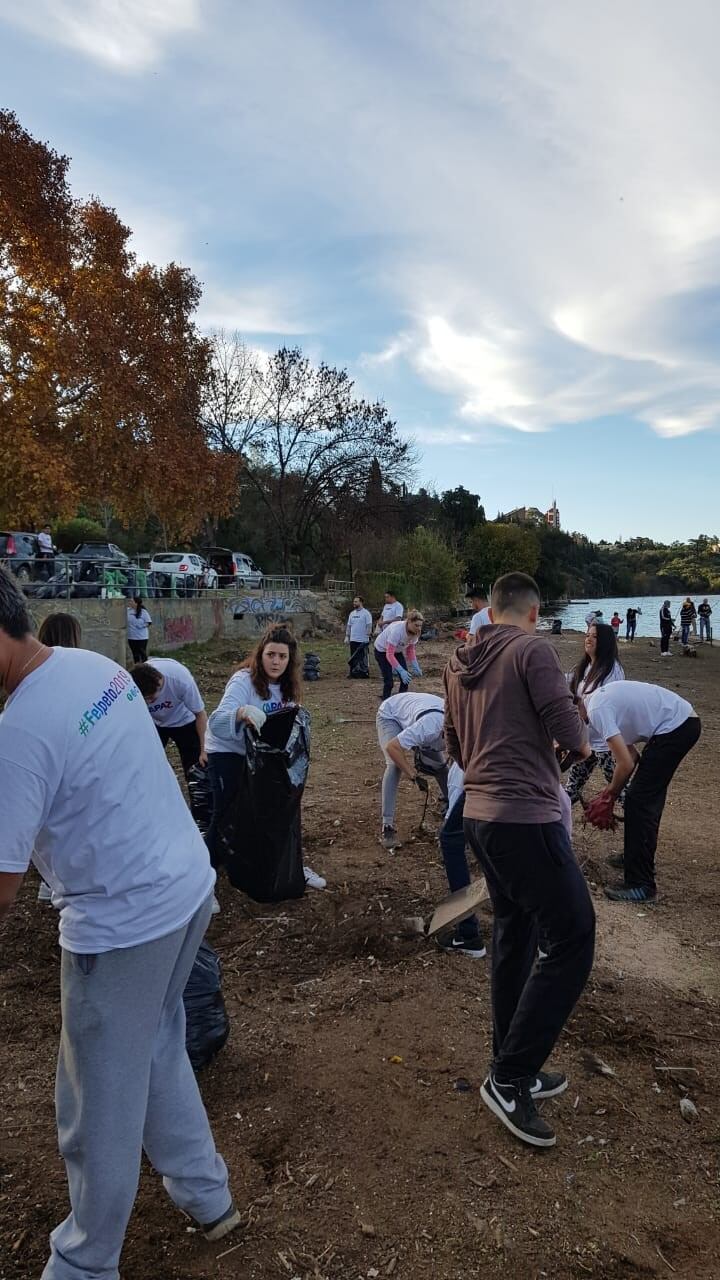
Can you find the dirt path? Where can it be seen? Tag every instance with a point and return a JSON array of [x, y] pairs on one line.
[[352, 1164]]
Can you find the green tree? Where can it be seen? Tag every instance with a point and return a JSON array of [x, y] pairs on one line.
[[493, 549], [460, 511], [425, 558]]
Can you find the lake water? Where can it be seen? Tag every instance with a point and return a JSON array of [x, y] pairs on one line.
[[648, 623]]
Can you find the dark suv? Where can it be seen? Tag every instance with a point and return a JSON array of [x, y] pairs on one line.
[[20, 553], [90, 558]]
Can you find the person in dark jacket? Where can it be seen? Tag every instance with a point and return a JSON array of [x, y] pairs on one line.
[[507, 702], [666, 630], [631, 623], [705, 614]]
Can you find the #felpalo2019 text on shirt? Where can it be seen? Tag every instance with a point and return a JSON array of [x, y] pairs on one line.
[[121, 683]]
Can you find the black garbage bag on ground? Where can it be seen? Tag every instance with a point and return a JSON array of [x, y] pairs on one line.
[[261, 832], [207, 1025], [358, 663]]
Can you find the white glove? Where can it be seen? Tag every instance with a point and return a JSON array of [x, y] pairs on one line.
[[254, 716]]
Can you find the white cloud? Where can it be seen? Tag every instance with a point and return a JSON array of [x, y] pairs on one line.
[[259, 310], [126, 35]]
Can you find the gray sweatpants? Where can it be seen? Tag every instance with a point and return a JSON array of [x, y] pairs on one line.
[[386, 731], [124, 1083]]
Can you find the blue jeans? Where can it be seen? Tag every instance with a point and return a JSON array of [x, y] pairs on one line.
[[388, 672], [685, 633], [704, 628], [452, 847]]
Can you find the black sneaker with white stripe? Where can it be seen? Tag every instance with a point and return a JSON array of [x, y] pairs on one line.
[[457, 945], [514, 1105], [548, 1084]]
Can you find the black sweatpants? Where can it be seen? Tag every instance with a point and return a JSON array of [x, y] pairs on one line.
[[138, 648], [665, 634], [537, 889], [187, 742], [388, 672], [645, 799]]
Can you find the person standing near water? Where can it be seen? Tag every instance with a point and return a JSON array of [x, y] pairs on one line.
[[666, 630], [705, 614], [631, 618]]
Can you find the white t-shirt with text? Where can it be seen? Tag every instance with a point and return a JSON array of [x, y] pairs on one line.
[[359, 626], [417, 727], [179, 701], [635, 710], [392, 612], [88, 796], [223, 732], [396, 635]]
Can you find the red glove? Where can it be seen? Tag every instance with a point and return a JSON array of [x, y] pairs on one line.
[[600, 812]]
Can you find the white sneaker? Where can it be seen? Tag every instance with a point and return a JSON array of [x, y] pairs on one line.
[[44, 892], [215, 906], [313, 880]]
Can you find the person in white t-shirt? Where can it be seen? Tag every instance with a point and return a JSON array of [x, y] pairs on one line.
[[406, 721], [623, 714], [481, 612], [598, 666], [392, 610], [89, 797], [138, 629], [268, 681], [176, 707], [391, 647], [357, 635]]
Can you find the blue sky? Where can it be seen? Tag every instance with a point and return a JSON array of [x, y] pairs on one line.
[[504, 219]]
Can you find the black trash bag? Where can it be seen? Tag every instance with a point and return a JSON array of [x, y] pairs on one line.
[[201, 797], [262, 834], [207, 1025], [358, 663]]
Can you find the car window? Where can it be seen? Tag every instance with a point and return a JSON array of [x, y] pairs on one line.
[[3, 542], [193, 560], [168, 557]]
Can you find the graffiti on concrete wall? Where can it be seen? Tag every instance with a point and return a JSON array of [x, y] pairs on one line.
[[266, 608], [179, 630]]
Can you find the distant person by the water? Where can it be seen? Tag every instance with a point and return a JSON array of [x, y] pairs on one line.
[[666, 630], [631, 618], [595, 615], [705, 614], [615, 622], [688, 614]]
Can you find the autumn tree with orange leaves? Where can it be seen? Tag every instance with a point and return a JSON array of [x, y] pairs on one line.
[[101, 366]]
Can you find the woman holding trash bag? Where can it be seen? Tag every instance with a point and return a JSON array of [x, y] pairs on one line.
[[394, 643], [267, 682], [598, 666]]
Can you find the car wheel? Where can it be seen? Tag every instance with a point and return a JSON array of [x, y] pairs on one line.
[[23, 573]]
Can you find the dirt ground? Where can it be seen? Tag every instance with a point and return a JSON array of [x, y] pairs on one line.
[[341, 1101]]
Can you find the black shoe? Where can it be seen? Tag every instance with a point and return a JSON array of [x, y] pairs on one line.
[[514, 1106], [617, 861], [473, 947], [548, 1084], [634, 893]]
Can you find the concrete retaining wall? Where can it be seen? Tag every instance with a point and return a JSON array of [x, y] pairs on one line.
[[180, 622]]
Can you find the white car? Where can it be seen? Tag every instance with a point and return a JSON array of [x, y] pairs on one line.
[[184, 563]]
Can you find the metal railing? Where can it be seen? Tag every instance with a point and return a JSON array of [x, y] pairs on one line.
[[341, 588], [65, 576]]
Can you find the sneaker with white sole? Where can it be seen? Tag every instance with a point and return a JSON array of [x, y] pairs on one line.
[[44, 892], [514, 1106], [473, 947], [313, 880], [215, 910], [548, 1084], [223, 1225], [389, 839]]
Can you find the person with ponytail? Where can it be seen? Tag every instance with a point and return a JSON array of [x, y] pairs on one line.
[[598, 666], [138, 629]]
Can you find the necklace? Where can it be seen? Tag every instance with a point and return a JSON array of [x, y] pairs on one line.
[[30, 659]]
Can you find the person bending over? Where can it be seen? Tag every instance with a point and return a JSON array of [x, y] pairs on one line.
[[391, 647], [507, 703], [408, 722], [623, 715], [87, 795], [176, 707], [268, 681], [598, 666]]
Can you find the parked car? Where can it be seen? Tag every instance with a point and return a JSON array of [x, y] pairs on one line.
[[20, 553], [165, 565], [89, 559], [234, 568]]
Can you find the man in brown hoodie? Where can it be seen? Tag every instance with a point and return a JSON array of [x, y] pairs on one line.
[[507, 703]]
